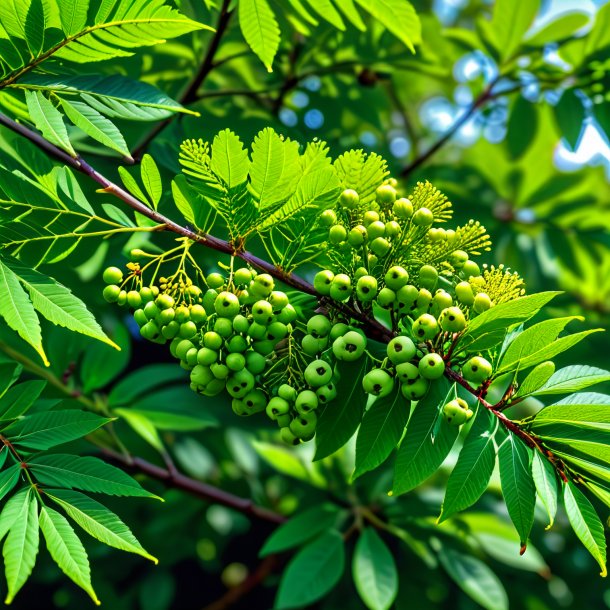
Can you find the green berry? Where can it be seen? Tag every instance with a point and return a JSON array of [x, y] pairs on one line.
[[431, 366], [164, 301], [319, 326], [287, 315], [151, 310], [378, 383], [338, 330], [318, 373], [357, 236], [423, 217], [481, 303], [287, 392], [396, 277], [288, 437], [122, 300], [428, 277], [456, 412], [458, 258], [262, 286], [375, 229], [477, 369], [242, 276], [310, 345], [255, 363], [470, 269], [380, 246], [183, 347], [278, 300], [425, 327], [112, 275], [337, 234], [452, 320], [240, 383], [406, 296], [150, 330], [386, 297], [257, 331], [198, 314], [401, 349], [255, 401], [212, 340], [402, 208], [304, 425], [140, 317], [341, 287], [369, 217], [322, 282], [223, 327], [464, 294], [328, 218], [392, 229], [215, 280], [416, 389], [366, 288], [406, 372], [206, 356], [146, 294], [277, 406], [237, 345], [111, 293], [227, 305], [349, 199], [306, 401], [134, 300], [327, 393], [276, 331], [188, 330], [262, 312], [219, 370], [385, 195], [170, 330], [201, 375]]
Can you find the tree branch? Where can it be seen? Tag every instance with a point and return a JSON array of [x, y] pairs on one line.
[[190, 94], [201, 490]]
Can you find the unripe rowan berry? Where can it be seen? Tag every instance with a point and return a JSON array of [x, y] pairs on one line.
[[431, 366], [112, 275], [349, 199], [423, 217], [477, 369]]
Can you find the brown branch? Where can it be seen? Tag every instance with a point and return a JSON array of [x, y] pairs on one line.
[[234, 594], [190, 94], [201, 490]]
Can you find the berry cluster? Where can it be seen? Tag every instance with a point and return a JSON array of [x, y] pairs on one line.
[[237, 333]]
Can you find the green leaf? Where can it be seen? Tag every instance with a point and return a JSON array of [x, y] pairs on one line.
[[601, 492], [374, 571], [18, 311], [288, 462], [518, 485], [14, 509], [539, 343], [48, 120], [427, 442], [98, 521], [570, 114], [474, 578], [509, 23], [301, 528], [545, 480], [349, 10], [586, 523], [56, 303], [85, 473], [274, 172], [184, 199], [9, 373], [260, 29], [113, 96], [338, 421], [572, 379], [559, 29], [380, 431], [46, 429], [519, 140], [141, 382], [398, 17], [327, 11], [20, 398], [489, 328], [143, 426], [471, 474], [73, 15], [123, 26], [8, 479], [230, 160], [21, 548], [66, 549], [96, 126], [312, 573], [536, 379], [151, 179]]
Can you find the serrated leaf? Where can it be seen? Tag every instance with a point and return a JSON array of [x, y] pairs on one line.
[[48, 120], [381, 430], [474, 578], [260, 29], [312, 573], [475, 465], [20, 398], [18, 311], [151, 178], [230, 160], [98, 521], [66, 549], [586, 523], [9, 478], [536, 379], [301, 528], [572, 379], [96, 126], [44, 430], [518, 485], [73, 15], [86, 474], [21, 548], [374, 571], [56, 302], [545, 480], [340, 419], [426, 443], [399, 17]]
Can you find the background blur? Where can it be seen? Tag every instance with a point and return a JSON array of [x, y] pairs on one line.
[[519, 141]]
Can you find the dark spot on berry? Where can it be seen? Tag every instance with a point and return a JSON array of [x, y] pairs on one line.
[[320, 370], [397, 347]]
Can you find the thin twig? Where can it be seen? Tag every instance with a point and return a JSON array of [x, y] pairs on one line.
[[190, 94]]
